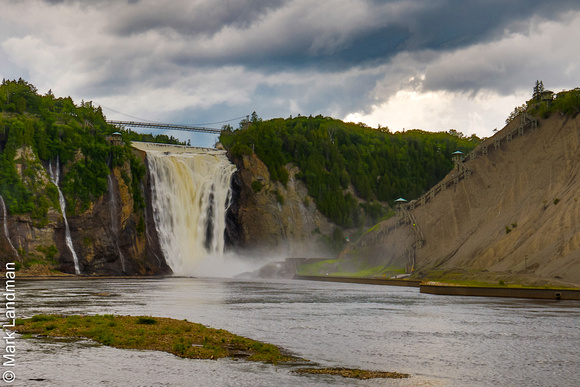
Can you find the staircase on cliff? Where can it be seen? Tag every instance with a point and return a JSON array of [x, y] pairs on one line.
[[510, 206], [462, 169]]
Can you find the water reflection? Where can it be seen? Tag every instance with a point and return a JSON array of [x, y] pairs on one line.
[[440, 340]]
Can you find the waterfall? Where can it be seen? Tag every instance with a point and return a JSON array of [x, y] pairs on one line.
[[191, 194], [114, 221], [55, 178], [5, 221]]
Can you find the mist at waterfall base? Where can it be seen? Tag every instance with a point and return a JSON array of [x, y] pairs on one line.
[[231, 263], [191, 194]]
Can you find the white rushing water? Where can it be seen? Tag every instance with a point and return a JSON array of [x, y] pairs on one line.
[[5, 221], [191, 194], [55, 178], [114, 220]]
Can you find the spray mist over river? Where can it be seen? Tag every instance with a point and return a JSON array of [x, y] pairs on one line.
[[441, 341]]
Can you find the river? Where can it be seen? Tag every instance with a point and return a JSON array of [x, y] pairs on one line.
[[439, 340]]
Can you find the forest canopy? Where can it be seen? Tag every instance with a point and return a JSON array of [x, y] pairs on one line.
[[55, 129], [338, 158]]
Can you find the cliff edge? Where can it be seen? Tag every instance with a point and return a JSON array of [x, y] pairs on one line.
[[511, 210]]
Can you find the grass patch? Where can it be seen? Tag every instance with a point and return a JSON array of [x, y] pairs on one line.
[[376, 271], [374, 228], [315, 268], [257, 185], [352, 373], [146, 320], [332, 267], [279, 197], [49, 252], [181, 338]]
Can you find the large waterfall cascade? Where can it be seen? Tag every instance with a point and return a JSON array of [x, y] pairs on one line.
[[191, 194], [55, 178], [5, 223]]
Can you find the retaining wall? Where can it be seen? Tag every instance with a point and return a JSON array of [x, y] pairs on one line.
[[554, 294]]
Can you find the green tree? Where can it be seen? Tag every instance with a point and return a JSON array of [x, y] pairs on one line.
[[334, 156], [54, 128]]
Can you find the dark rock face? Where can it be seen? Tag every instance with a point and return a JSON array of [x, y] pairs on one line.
[[111, 238], [273, 218], [154, 258], [125, 245], [115, 237], [233, 226]]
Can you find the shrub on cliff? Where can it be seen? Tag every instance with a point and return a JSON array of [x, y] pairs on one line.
[[55, 128]]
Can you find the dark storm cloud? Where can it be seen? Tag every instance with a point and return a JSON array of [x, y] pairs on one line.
[[311, 35], [282, 35], [207, 59], [195, 17], [519, 57]]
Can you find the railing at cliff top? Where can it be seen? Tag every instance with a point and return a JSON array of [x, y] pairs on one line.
[[463, 169], [145, 146], [463, 172]]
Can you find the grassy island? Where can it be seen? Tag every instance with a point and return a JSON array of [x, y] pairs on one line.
[[179, 337]]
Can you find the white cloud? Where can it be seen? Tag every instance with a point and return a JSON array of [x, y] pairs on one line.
[[162, 60], [441, 110], [547, 51], [474, 89]]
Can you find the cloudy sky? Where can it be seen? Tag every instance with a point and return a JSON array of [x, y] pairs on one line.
[[429, 64]]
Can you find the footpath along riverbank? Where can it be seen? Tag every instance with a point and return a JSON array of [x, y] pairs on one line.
[[458, 290]]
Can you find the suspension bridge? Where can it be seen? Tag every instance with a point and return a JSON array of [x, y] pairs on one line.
[[155, 125]]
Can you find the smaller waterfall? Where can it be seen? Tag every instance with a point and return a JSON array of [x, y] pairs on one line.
[[55, 177], [114, 221], [5, 221]]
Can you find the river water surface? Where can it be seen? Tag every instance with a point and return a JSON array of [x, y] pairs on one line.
[[439, 340]]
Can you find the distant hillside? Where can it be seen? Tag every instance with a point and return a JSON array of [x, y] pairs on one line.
[[352, 172], [516, 218]]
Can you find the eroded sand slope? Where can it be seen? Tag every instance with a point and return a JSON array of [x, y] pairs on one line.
[[517, 213]]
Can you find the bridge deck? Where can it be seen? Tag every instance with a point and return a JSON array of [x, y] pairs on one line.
[[153, 125]]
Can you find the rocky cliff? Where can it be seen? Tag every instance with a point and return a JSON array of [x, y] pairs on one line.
[[275, 218], [113, 238], [511, 212], [110, 238]]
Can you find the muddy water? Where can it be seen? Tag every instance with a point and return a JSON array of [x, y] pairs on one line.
[[441, 341]]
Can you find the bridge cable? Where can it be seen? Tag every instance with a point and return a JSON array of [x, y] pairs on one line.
[[157, 122]]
